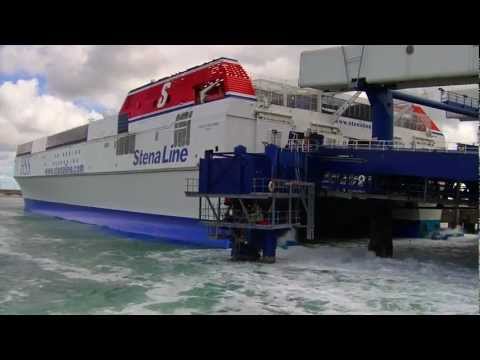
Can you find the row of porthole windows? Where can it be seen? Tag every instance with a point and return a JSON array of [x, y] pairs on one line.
[[67, 153], [65, 162]]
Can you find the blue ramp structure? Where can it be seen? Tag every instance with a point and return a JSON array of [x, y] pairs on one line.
[[255, 198]]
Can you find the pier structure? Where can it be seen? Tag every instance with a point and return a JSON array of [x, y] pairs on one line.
[[380, 72], [242, 198], [376, 175], [254, 199]]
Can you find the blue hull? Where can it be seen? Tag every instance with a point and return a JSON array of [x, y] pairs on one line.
[[173, 229]]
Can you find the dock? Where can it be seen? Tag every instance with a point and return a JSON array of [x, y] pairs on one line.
[[364, 182]]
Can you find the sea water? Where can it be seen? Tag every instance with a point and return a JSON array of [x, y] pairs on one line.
[[53, 266]]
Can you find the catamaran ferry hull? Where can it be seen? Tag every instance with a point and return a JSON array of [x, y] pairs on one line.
[[130, 202], [178, 230]]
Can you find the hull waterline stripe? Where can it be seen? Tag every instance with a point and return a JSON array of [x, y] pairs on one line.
[[174, 229]]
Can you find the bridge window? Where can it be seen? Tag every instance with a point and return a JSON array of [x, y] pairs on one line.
[[410, 121], [306, 102], [358, 111], [272, 97], [331, 104]]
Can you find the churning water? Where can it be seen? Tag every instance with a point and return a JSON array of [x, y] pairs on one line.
[[51, 266]]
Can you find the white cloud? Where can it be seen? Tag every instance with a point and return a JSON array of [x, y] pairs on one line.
[[461, 132], [25, 114], [105, 74]]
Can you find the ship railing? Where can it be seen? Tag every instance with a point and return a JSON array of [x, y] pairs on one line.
[[259, 185], [266, 185], [269, 204], [304, 145], [460, 99], [255, 216], [428, 191]]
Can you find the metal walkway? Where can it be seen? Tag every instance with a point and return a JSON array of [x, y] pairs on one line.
[[273, 204]]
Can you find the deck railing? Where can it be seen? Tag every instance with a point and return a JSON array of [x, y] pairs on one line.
[[253, 216], [460, 99], [383, 145], [259, 185]]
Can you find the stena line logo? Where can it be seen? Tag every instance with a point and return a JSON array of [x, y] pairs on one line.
[[172, 155]]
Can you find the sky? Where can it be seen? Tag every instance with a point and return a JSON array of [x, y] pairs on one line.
[[47, 89]]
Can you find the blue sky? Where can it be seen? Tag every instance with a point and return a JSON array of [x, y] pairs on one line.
[[42, 80], [84, 102]]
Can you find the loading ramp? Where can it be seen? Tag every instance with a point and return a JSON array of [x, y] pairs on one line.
[[253, 198]]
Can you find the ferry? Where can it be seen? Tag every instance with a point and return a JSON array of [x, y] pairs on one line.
[[127, 172]]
